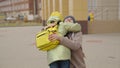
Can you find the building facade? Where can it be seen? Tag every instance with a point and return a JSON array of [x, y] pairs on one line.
[[105, 9], [16, 7], [76, 8]]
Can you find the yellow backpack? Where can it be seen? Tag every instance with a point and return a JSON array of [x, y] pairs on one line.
[[42, 41]]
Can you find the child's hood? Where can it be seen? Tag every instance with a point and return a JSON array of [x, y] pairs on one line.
[[55, 16]]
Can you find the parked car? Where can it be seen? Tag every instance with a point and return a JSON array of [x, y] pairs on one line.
[[10, 19]]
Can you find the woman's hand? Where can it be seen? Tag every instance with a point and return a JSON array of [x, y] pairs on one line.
[[53, 37]]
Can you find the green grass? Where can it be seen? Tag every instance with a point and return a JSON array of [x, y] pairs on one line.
[[18, 24]]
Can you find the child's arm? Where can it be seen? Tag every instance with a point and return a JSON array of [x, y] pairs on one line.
[[74, 27], [65, 27], [49, 25]]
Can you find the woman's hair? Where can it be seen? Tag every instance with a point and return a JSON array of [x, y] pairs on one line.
[[74, 21]]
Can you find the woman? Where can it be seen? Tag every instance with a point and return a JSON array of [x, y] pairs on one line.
[[73, 41]]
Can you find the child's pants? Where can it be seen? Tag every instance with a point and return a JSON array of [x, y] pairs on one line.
[[60, 64]]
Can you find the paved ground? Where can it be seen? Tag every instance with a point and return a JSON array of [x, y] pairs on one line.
[[17, 49]]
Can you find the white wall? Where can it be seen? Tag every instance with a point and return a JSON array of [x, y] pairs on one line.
[[105, 9]]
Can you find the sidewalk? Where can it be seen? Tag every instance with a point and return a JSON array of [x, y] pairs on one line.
[[102, 50], [17, 49]]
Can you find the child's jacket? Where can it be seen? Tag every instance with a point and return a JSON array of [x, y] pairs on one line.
[[61, 52]]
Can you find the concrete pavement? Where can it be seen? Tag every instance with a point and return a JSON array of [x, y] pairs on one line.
[[102, 50], [17, 49]]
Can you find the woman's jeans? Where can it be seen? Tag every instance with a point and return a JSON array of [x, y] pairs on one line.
[[60, 64]]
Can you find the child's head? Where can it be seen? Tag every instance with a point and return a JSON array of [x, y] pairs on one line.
[[55, 17], [69, 19]]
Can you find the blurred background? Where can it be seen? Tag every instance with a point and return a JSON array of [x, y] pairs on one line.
[[100, 21], [36, 12]]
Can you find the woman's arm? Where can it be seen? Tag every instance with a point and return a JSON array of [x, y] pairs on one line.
[[73, 44]]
